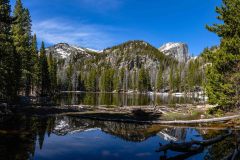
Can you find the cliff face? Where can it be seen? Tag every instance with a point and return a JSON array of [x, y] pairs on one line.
[[179, 51], [134, 54]]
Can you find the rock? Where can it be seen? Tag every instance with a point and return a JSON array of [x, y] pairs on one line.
[[179, 51], [202, 116]]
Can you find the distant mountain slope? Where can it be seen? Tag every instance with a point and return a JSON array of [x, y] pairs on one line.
[[133, 65], [64, 51], [135, 54]]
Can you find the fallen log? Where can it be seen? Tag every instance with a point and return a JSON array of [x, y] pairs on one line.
[[193, 146], [212, 120], [181, 156], [233, 156], [93, 115], [181, 147]]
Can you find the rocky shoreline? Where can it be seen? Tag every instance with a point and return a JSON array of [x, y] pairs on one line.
[[178, 114]]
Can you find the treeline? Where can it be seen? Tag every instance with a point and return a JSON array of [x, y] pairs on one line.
[[178, 77], [22, 70], [134, 66]]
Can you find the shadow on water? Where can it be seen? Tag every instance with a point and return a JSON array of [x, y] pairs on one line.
[[64, 137]]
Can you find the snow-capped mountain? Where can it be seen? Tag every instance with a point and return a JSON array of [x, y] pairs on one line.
[[132, 55], [64, 50], [179, 51]]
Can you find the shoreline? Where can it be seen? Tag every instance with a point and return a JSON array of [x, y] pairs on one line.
[[162, 115], [176, 94]]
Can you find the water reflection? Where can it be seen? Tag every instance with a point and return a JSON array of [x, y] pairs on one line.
[[65, 137], [121, 99]]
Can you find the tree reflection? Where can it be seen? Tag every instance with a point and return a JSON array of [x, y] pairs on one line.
[[20, 135], [120, 99]]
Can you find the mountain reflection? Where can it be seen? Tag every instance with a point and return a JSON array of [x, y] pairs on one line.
[[20, 135], [127, 131]]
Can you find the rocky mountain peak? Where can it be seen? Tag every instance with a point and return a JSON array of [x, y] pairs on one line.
[[179, 51], [64, 50]]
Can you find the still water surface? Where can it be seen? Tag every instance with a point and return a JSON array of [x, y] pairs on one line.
[[96, 99], [73, 138]]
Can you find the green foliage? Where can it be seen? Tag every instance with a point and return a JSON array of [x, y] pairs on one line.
[[177, 80], [171, 79], [45, 84], [69, 73], [52, 68], [139, 48], [22, 40], [9, 64], [223, 74], [35, 63], [116, 83], [215, 111], [159, 80], [144, 81], [91, 83], [106, 84]]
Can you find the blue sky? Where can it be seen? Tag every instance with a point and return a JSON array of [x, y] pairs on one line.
[[99, 24]]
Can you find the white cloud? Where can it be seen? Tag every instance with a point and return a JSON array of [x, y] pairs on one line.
[[87, 35]]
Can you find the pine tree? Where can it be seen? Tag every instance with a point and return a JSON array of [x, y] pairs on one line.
[[44, 73], [116, 83], [22, 37], [122, 79], [69, 77], [223, 75], [191, 76], [28, 60], [135, 77], [52, 63], [91, 83], [143, 81], [177, 80], [159, 80], [9, 66], [171, 79], [106, 84], [36, 65]]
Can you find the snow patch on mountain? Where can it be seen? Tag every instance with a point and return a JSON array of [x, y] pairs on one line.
[[62, 53], [94, 50], [78, 48]]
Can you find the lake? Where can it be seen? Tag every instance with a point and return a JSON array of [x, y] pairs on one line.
[[122, 99], [73, 138]]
